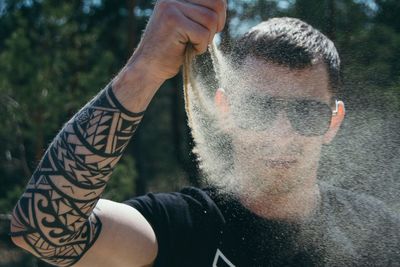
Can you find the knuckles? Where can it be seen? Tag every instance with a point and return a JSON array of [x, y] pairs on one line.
[[169, 9], [169, 12], [220, 6], [212, 19]]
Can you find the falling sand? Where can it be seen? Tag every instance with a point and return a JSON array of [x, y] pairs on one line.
[[221, 107]]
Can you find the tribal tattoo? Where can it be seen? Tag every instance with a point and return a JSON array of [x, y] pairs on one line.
[[56, 216]]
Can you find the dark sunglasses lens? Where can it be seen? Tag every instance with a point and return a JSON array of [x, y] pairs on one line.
[[256, 114], [310, 118]]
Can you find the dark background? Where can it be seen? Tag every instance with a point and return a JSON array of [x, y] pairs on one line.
[[56, 55]]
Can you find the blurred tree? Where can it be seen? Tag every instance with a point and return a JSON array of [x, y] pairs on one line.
[[388, 12], [60, 55], [53, 58], [56, 55]]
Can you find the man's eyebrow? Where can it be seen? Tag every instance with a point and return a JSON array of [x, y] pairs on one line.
[[282, 98]]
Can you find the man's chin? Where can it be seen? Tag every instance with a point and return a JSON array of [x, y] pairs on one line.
[[272, 182], [274, 185], [280, 164]]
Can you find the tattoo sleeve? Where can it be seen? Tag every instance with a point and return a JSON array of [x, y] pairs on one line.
[[55, 214]]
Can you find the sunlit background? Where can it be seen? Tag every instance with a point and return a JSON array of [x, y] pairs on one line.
[[56, 55]]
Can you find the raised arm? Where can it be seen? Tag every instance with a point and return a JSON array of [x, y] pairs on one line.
[[56, 218]]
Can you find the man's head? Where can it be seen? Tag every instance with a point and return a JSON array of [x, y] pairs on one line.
[[279, 105], [291, 43]]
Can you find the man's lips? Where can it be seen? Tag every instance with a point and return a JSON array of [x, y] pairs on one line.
[[280, 163]]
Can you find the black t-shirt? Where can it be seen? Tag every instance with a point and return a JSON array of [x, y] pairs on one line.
[[203, 228]]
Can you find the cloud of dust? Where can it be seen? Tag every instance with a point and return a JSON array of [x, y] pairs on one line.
[[349, 162], [214, 129]]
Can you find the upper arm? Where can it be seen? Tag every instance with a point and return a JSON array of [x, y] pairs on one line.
[[126, 238]]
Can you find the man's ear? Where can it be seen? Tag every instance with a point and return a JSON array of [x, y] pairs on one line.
[[336, 121], [221, 101]]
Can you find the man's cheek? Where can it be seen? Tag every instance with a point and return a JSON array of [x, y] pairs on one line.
[[312, 153]]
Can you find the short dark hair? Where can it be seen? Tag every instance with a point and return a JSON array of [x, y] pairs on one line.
[[292, 43]]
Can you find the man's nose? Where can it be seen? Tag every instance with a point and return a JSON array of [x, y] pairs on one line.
[[280, 136], [280, 127]]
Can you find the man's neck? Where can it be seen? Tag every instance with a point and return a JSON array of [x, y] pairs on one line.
[[295, 206]]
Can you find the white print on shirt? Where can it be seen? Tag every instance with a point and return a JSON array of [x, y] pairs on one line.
[[221, 261]]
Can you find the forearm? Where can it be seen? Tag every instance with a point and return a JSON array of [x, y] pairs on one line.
[[55, 215], [54, 218]]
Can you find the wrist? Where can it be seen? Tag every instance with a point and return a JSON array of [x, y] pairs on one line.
[[135, 85], [147, 67]]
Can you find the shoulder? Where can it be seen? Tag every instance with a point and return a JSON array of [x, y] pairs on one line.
[[187, 209], [185, 224], [189, 201], [360, 204], [362, 215]]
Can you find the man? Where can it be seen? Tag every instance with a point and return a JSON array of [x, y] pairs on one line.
[[270, 211]]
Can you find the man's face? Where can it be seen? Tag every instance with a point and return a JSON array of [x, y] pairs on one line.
[[276, 142]]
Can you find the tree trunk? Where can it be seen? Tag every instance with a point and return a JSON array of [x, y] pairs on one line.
[[331, 25], [132, 26], [141, 182]]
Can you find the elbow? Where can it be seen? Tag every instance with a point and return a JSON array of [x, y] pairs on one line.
[[17, 231]]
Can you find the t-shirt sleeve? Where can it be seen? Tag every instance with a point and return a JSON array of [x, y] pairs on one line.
[[185, 223]]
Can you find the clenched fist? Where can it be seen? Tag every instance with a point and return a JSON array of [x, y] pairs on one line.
[[173, 25]]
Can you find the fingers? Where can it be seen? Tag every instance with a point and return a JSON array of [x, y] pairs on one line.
[[173, 25], [195, 21], [203, 16], [194, 33], [217, 6]]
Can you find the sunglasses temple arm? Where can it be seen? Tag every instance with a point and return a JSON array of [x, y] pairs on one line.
[[335, 112]]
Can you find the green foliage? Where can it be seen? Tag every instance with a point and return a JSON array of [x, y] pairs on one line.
[[51, 63], [54, 56]]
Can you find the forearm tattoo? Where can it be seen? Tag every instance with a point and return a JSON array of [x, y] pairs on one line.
[[55, 214]]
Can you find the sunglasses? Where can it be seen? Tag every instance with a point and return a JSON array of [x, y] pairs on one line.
[[307, 117]]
